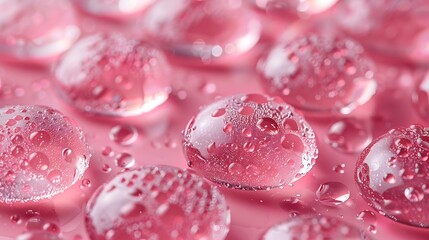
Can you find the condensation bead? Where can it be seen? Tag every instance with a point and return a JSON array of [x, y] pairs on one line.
[[202, 30], [294, 8], [38, 235], [42, 153], [250, 142], [36, 31], [158, 202], [393, 175], [315, 227], [116, 9], [394, 27], [113, 75], [319, 73]]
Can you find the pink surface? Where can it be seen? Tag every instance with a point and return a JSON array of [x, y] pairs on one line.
[[159, 142]]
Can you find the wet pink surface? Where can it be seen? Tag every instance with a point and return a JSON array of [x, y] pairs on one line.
[[159, 142]]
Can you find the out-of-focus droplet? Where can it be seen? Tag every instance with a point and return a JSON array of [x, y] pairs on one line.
[[381, 27], [114, 9], [349, 135], [190, 29], [314, 227], [320, 74], [36, 31], [113, 75], [293, 9], [38, 235], [123, 134], [125, 160]]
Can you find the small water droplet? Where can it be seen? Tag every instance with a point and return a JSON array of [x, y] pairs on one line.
[[332, 193], [268, 126], [40, 138], [124, 160], [123, 134], [414, 194]]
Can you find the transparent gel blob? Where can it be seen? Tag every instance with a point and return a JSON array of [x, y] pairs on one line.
[[397, 28], [318, 73], [250, 142], [315, 227], [116, 9], [158, 202], [202, 30], [34, 31], [113, 75], [393, 175], [42, 153]]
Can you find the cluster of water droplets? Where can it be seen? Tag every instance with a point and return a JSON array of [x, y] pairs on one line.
[[42, 153], [158, 202], [250, 142]]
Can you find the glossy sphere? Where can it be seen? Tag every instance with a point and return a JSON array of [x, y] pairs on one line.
[[294, 8], [250, 142], [157, 203], [202, 30], [319, 73], [113, 75], [117, 9], [42, 153], [394, 27], [314, 227], [34, 31], [393, 175], [38, 235]]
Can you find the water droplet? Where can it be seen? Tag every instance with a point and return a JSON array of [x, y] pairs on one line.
[[247, 140], [28, 23], [94, 74], [186, 29], [124, 160], [40, 138], [165, 198], [123, 134], [39, 161], [332, 193], [297, 71], [367, 216], [339, 168], [86, 183], [414, 194], [268, 126], [349, 135], [389, 173], [314, 227]]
